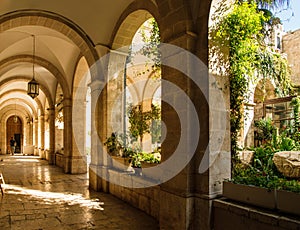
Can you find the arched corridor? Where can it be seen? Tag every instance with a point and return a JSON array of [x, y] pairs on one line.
[[80, 55], [40, 196]]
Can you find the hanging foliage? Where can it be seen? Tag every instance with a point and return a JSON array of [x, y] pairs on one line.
[[140, 121], [239, 51]]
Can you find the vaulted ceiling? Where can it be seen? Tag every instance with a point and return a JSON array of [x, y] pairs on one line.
[[55, 52]]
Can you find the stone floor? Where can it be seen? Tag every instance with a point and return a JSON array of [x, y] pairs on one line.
[[40, 196]]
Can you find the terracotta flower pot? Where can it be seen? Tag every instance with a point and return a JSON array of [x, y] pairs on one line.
[[121, 163]]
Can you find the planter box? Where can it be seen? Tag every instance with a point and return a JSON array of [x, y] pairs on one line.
[[148, 172], [257, 196], [288, 202], [121, 163]]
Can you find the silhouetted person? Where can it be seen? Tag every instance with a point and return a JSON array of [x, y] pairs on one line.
[[12, 144]]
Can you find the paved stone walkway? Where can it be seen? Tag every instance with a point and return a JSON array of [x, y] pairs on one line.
[[40, 196]]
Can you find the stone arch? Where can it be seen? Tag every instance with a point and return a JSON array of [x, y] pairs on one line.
[[52, 21], [264, 90], [25, 102], [24, 78], [131, 19], [42, 62], [81, 82], [7, 112]]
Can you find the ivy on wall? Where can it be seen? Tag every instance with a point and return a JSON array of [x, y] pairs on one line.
[[240, 52]]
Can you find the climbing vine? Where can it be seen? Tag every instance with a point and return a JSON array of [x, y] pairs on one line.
[[239, 51]]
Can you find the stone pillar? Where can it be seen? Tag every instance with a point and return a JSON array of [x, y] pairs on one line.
[[30, 132], [99, 163], [79, 158], [42, 135], [98, 168], [74, 158], [52, 135], [115, 95], [67, 116], [199, 182], [249, 124], [2, 140], [147, 139], [36, 136]]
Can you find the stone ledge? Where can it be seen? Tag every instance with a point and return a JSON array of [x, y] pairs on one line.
[[254, 216]]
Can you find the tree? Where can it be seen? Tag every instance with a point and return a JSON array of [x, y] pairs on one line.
[[140, 121]]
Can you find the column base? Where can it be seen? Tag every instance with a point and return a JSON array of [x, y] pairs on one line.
[[96, 178], [75, 165], [191, 212]]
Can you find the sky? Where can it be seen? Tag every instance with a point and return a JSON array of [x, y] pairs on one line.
[[290, 16]]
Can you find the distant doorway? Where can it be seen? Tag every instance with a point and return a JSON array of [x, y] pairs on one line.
[[18, 137], [14, 129]]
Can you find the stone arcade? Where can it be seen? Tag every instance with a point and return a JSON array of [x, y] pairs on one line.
[[78, 46]]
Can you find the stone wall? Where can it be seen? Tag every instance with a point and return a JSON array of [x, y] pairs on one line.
[[228, 215], [291, 46], [146, 199]]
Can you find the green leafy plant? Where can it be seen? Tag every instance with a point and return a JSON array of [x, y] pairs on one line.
[[295, 102], [151, 41], [140, 121], [264, 130], [113, 144], [140, 157], [237, 43]]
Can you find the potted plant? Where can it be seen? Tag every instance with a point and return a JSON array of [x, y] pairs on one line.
[[252, 188], [119, 154], [254, 184], [113, 145], [151, 160], [261, 184]]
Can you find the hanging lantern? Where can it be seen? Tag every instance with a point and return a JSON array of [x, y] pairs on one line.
[[33, 85], [15, 116], [15, 119], [33, 88]]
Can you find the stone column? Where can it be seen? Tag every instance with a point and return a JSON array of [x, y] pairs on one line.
[[99, 162], [74, 158], [115, 95], [52, 135], [98, 168], [30, 132], [199, 182], [2, 140], [67, 116], [249, 124], [42, 135], [36, 136]]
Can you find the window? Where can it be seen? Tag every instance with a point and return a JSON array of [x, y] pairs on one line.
[[280, 111], [278, 42]]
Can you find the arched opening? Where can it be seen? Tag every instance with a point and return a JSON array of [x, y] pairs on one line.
[[59, 45], [131, 89], [82, 115], [14, 129]]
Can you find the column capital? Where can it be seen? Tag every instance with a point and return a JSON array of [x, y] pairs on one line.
[[102, 49], [67, 102], [96, 85]]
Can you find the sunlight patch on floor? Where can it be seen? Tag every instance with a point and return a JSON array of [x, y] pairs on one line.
[[54, 197]]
